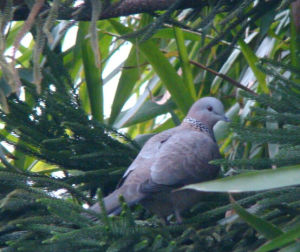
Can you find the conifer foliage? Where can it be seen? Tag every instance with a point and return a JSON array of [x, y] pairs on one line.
[[33, 216], [60, 151]]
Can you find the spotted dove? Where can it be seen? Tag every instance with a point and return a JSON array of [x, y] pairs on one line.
[[170, 160]]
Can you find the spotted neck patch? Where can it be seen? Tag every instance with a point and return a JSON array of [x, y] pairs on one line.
[[196, 124], [199, 126]]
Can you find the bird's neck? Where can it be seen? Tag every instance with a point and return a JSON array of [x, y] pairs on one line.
[[199, 126]]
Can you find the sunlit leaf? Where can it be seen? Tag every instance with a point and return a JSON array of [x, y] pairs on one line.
[[252, 181]]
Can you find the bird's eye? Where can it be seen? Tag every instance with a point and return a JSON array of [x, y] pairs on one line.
[[209, 108]]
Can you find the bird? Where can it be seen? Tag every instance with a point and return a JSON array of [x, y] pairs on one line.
[[170, 160]]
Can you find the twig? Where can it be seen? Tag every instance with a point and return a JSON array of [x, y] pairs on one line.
[[25, 28], [223, 76]]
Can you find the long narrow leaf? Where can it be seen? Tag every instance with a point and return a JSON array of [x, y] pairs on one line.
[[267, 229], [252, 60], [129, 76], [228, 64], [186, 70], [281, 240], [252, 181], [92, 73], [163, 68], [126, 116], [147, 111]]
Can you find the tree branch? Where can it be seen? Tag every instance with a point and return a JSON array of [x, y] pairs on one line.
[[224, 77], [121, 8]]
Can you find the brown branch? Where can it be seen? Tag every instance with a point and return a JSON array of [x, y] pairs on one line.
[[121, 8], [25, 28], [27, 25], [224, 77], [296, 14]]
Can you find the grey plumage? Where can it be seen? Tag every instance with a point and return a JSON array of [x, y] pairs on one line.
[[170, 160]]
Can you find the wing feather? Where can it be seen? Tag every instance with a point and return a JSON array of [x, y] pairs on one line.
[[183, 159]]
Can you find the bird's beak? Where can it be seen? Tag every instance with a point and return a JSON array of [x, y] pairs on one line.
[[226, 119]]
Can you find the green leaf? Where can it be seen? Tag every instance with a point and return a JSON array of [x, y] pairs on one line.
[[147, 111], [22, 160], [168, 75], [163, 68], [294, 247], [42, 167], [229, 64], [13, 33], [168, 33], [165, 126], [92, 73], [266, 22], [127, 81], [84, 97], [185, 64], [252, 181], [105, 40], [267, 229], [125, 116], [252, 60], [281, 240]]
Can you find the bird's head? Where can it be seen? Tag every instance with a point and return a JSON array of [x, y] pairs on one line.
[[208, 110]]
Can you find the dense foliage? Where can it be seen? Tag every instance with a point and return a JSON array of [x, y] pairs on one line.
[[63, 137]]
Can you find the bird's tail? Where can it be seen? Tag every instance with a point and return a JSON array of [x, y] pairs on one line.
[[112, 202]]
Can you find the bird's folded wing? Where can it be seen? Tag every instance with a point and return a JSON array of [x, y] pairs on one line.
[[181, 160], [148, 154]]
